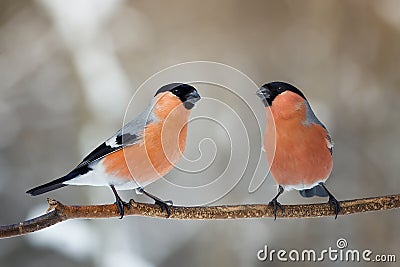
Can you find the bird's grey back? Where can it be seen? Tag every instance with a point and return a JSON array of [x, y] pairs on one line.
[[311, 118]]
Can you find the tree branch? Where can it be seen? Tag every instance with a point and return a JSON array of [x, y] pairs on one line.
[[59, 212]]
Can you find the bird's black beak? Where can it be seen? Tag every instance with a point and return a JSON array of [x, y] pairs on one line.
[[191, 99], [265, 95]]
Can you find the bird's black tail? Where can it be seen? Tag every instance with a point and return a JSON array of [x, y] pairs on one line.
[[317, 190], [53, 185], [58, 183]]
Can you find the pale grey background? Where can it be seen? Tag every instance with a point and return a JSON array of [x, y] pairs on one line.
[[69, 68]]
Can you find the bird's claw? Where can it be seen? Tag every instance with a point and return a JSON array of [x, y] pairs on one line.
[[164, 205], [275, 204], [121, 206], [335, 204]]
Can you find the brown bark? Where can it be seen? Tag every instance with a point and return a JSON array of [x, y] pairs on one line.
[[59, 212]]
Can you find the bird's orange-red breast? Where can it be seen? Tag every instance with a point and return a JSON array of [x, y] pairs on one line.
[[302, 156], [298, 146], [161, 148], [144, 150]]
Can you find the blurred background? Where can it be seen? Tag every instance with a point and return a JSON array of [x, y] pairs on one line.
[[69, 68]]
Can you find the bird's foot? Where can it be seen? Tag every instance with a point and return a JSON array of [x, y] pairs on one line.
[[121, 206], [164, 205], [335, 204], [275, 204]]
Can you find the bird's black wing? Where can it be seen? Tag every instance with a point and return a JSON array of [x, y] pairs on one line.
[[130, 134]]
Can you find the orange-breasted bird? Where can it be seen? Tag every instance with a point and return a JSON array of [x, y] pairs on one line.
[[144, 150], [299, 148]]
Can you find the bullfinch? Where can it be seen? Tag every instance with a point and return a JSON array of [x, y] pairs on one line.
[[144, 150], [299, 148]]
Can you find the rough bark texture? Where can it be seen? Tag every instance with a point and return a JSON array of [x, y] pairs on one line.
[[59, 212]]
